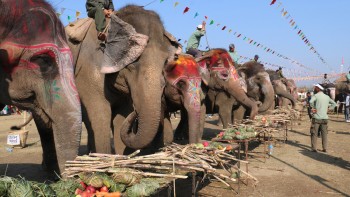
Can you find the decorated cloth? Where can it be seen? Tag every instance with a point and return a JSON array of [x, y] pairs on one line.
[[123, 46], [78, 29]]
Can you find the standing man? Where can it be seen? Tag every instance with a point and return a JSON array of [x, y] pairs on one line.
[[348, 77], [308, 98], [194, 40], [347, 107], [320, 117], [233, 54], [256, 57], [99, 10]]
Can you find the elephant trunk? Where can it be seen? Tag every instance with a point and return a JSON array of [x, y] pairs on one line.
[[269, 94], [235, 89], [65, 112], [285, 94], [146, 93], [192, 103]]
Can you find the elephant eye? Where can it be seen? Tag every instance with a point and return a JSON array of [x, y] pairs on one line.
[[181, 84], [46, 63]]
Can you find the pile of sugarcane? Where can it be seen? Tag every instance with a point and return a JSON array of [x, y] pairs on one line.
[[173, 162]]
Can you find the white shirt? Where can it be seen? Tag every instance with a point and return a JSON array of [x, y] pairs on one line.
[[347, 100]]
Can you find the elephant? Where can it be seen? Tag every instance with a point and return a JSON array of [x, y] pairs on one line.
[[279, 85], [219, 75], [257, 86], [292, 88], [36, 74], [132, 100]]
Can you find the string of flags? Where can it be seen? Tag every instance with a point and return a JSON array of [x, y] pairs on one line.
[[293, 24], [238, 35], [69, 17]]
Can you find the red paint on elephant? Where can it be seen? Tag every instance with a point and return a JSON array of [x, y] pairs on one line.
[[219, 60], [184, 67]]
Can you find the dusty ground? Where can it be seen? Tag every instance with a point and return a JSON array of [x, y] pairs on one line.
[[292, 170]]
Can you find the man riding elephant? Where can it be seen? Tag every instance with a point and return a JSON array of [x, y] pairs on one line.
[[99, 10]]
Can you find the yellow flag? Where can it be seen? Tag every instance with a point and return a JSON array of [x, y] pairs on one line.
[[77, 14], [285, 13], [229, 31], [176, 3]]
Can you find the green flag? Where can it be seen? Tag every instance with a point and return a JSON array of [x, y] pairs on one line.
[[211, 22], [68, 18]]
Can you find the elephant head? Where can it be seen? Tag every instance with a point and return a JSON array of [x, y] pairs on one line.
[[258, 82], [279, 85], [218, 72], [36, 74], [184, 76], [292, 88]]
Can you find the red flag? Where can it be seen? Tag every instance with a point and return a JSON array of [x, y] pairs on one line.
[[186, 9], [238, 35], [272, 2], [223, 28], [299, 31], [205, 17]]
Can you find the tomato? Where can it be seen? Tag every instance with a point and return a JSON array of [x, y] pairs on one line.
[[78, 191], [83, 184], [104, 189], [90, 189]]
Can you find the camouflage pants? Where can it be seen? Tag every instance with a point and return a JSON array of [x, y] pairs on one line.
[[321, 125]]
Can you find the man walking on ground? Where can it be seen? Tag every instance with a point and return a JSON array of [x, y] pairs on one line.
[[194, 40], [320, 117], [347, 107]]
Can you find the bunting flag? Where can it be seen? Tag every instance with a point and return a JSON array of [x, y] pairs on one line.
[[196, 14], [161, 1], [176, 4], [303, 37], [206, 18], [223, 28], [186, 10], [77, 14], [211, 22], [68, 17]]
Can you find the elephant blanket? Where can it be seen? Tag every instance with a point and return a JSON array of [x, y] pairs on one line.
[[78, 29], [123, 46]]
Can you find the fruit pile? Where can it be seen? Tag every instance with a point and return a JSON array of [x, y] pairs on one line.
[[214, 145], [240, 133]]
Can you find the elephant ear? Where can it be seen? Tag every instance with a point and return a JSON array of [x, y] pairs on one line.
[[204, 71], [169, 74]]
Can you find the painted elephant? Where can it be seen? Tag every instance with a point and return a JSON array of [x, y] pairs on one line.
[[279, 85], [258, 86], [36, 74], [183, 92]]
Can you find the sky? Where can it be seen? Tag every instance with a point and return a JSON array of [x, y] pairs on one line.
[[324, 23]]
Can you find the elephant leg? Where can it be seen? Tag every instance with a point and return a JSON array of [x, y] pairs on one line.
[[49, 162], [168, 133], [91, 139], [225, 105], [181, 131], [98, 125], [238, 113], [202, 121], [118, 120]]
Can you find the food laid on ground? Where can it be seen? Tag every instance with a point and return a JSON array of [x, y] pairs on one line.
[[104, 175]]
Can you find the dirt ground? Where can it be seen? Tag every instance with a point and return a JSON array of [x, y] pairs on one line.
[[292, 170]]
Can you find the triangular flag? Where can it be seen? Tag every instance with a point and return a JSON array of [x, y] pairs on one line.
[[229, 31], [161, 1], [186, 9], [205, 17], [238, 35], [68, 18], [179, 39], [176, 3], [77, 14], [284, 14], [223, 28], [272, 2], [244, 37], [196, 14], [296, 27], [211, 22]]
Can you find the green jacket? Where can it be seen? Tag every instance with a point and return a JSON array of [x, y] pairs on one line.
[[195, 38], [322, 103], [106, 4]]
